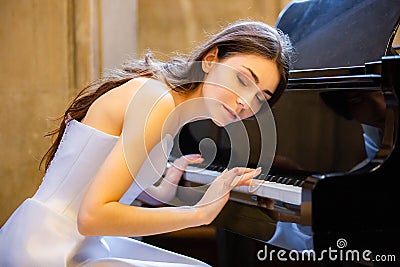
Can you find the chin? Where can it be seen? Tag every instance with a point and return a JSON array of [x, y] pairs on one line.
[[219, 123]]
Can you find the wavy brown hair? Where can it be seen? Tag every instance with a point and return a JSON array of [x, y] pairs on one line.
[[241, 37]]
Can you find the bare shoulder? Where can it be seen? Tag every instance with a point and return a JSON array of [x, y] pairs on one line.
[[108, 112]]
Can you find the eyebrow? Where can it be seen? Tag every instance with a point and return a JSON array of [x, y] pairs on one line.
[[268, 92], [252, 74]]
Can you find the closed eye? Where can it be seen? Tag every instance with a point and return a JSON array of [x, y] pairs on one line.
[[261, 97], [268, 94], [264, 95], [241, 79]]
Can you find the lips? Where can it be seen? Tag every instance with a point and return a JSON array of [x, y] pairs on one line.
[[231, 113]]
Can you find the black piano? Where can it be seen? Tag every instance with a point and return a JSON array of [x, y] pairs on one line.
[[332, 187]]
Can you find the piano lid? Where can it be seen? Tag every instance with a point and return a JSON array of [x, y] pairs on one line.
[[339, 33]]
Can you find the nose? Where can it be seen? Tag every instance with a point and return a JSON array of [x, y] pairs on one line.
[[242, 103], [243, 107]]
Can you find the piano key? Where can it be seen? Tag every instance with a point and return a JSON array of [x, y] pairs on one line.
[[278, 191], [262, 176], [269, 177], [273, 178], [289, 181]]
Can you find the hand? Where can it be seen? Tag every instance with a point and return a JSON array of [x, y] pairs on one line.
[[166, 190], [217, 194], [182, 162], [178, 167]]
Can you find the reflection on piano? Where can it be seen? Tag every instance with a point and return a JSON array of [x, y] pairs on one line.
[[337, 149]]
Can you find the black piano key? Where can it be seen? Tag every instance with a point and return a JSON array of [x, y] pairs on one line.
[[262, 176], [280, 179], [273, 178], [298, 183], [220, 168], [290, 181], [214, 167]]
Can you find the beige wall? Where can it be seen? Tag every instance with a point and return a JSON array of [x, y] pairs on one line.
[[118, 32], [166, 27], [36, 79]]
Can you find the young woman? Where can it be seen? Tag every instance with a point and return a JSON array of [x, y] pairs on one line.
[[115, 126]]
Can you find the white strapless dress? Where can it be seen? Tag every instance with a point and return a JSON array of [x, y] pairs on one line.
[[43, 229]]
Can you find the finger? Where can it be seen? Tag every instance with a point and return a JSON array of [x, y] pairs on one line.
[[191, 156], [198, 160], [244, 170], [245, 179], [191, 159], [233, 176], [187, 158], [228, 175], [252, 183], [248, 171], [182, 162]]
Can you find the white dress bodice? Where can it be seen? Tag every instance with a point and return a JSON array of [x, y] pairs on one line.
[[81, 151]]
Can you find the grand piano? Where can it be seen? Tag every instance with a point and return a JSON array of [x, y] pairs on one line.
[[332, 184]]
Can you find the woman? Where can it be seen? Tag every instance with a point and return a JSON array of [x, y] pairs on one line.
[[115, 126]]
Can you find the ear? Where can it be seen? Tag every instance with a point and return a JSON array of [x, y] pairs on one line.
[[209, 59]]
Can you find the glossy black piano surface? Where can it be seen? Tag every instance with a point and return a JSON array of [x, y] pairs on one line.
[[337, 131], [339, 33]]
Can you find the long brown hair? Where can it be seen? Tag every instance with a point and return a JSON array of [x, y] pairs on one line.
[[247, 37]]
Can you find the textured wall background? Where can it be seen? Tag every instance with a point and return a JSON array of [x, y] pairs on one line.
[[169, 26], [36, 79]]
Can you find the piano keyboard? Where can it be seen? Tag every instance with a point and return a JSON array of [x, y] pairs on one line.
[[281, 188]]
